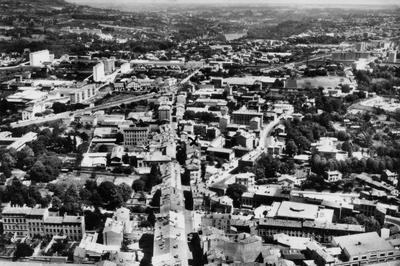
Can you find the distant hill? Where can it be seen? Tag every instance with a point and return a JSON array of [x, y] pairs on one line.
[[38, 3]]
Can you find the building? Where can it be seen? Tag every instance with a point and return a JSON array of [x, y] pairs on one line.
[[135, 136], [9, 142], [390, 177], [26, 221], [113, 233], [164, 113], [333, 176], [366, 248], [125, 68], [392, 57], [109, 66], [239, 248], [222, 153], [245, 139], [244, 116], [98, 72], [79, 94], [303, 220], [322, 232], [37, 59]]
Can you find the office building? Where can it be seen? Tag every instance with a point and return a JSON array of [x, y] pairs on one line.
[[37, 59], [109, 66], [135, 136], [98, 72]]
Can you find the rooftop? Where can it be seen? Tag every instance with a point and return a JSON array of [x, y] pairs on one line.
[[297, 210], [362, 243]]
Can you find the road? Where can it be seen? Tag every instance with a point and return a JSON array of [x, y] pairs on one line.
[[14, 67], [66, 115], [392, 220], [272, 68], [267, 131]]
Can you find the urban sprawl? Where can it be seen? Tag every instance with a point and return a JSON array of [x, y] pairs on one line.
[[226, 136]]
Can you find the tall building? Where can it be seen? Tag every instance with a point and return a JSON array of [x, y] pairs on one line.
[[109, 66], [392, 57], [135, 136], [38, 58], [98, 72]]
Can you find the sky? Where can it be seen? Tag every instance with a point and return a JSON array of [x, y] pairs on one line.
[[231, 2]]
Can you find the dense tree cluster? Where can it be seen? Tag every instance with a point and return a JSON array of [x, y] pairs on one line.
[[300, 134], [320, 164], [202, 117], [18, 194], [235, 192], [69, 199]]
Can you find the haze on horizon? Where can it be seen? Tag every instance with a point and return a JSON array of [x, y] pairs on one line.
[[157, 3]]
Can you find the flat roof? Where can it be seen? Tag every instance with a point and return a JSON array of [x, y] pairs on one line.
[[298, 210], [362, 243]]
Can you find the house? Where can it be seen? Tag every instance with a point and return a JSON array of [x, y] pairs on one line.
[[333, 176], [275, 147], [390, 177]]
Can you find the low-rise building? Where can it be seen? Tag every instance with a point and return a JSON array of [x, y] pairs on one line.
[[26, 221], [366, 248]]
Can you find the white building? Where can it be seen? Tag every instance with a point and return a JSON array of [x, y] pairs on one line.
[[125, 68], [98, 72], [333, 176], [38, 58]]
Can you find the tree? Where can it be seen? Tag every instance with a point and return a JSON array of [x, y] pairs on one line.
[[94, 220], [120, 137], [56, 203], [38, 147], [59, 107], [110, 195], [349, 220], [291, 148], [153, 178], [72, 201], [235, 191], [9, 159], [5, 168], [23, 250], [151, 218], [370, 223], [146, 243], [138, 185], [155, 201], [125, 191], [24, 156]]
